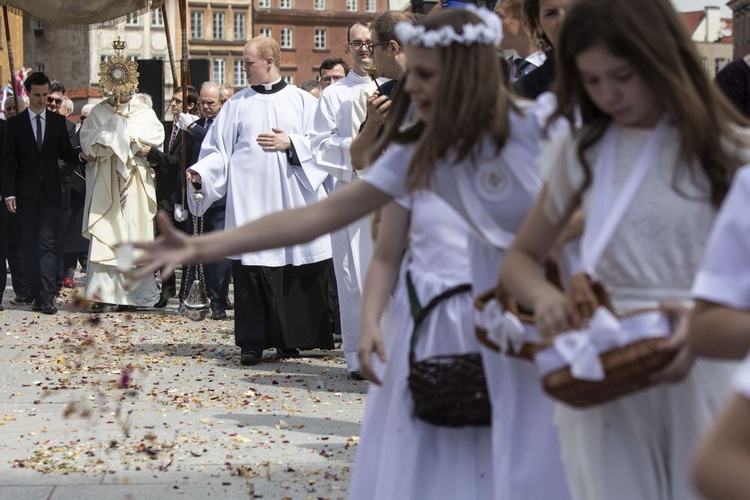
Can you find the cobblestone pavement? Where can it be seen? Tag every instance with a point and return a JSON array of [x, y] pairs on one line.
[[151, 405]]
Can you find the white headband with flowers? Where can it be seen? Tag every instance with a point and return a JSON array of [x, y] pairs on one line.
[[488, 32]]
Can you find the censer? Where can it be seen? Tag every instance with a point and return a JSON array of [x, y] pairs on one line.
[[196, 302]]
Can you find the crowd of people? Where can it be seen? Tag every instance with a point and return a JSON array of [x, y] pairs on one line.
[[384, 206]]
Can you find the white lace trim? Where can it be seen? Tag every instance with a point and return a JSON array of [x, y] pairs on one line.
[[489, 32]]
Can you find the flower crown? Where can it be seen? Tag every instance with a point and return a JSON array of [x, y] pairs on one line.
[[488, 32]]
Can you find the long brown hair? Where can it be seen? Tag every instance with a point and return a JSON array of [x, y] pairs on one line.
[[650, 35], [472, 101]]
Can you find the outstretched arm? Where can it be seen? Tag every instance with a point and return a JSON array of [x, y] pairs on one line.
[[522, 275], [381, 276], [718, 331], [723, 459], [280, 229]]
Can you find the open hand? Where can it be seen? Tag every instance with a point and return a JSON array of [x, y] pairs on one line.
[[171, 249], [278, 141]]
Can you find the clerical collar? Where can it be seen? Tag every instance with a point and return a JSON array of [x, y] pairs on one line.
[[269, 88]]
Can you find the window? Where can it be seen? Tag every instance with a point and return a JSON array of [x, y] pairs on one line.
[[719, 64], [239, 26], [285, 4], [264, 4], [266, 32], [371, 6], [219, 20], [196, 24], [320, 39], [134, 19], [351, 5], [289, 79], [157, 18], [39, 67], [220, 70], [134, 58], [705, 63], [320, 5], [240, 78], [286, 38], [37, 26]]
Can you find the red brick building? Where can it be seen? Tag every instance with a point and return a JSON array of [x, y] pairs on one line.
[[741, 25], [310, 30]]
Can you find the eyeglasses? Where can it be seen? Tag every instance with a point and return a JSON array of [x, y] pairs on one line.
[[331, 78], [358, 44], [371, 46], [56, 101]]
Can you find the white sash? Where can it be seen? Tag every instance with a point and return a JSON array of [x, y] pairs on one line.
[[482, 221], [604, 216]]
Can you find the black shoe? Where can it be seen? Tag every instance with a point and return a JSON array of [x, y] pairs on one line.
[[2, 307], [122, 308], [37, 305], [287, 353], [162, 303], [356, 375], [24, 298], [249, 358], [48, 308], [218, 314]]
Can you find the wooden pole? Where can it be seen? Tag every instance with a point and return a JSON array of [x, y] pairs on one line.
[[184, 83], [172, 64], [10, 60]]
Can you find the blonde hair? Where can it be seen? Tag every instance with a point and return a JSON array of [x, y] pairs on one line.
[[266, 47], [650, 35], [472, 102]]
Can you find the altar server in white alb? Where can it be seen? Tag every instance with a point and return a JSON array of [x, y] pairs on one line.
[[258, 154], [352, 245]]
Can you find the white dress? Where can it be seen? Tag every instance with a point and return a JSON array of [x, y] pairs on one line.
[[524, 440], [400, 456], [640, 446]]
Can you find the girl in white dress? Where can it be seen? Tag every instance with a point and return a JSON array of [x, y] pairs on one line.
[[476, 150], [659, 143], [719, 328], [443, 462]]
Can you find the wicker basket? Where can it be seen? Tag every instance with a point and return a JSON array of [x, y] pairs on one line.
[[528, 349], [627, 369], [450, 391]]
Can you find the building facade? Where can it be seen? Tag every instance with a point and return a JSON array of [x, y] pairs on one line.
[[713, 37], [310, 31], [741, 24]]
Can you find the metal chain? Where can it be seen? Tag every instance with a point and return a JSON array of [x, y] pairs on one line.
[[198, 231]]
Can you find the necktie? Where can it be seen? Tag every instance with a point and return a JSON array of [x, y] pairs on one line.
[[175, 130], [39, 137], [208, 123], [523, 67]]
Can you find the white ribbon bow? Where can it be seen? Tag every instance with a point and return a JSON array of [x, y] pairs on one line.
[[581, 349], [503, 328]]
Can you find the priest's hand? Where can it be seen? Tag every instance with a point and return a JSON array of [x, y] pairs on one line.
[[171, 249], [278, 141]]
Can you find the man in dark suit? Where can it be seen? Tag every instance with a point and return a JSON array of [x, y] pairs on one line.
[[167, 167], [218, 274], [34, 142]]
